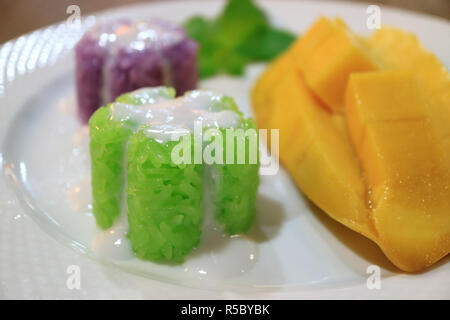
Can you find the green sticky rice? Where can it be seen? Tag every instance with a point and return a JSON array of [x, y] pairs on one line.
[[108, 141], [236, 186], [164, 199]]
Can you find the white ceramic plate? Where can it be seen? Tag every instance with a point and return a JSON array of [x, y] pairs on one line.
[[293, 251]]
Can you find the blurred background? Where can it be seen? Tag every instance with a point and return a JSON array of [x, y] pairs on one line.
[[20, 16]]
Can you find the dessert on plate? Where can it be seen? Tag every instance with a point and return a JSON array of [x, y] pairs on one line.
[[145, 163]]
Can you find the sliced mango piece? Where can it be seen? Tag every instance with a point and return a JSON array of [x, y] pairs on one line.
[[398, 49], [380, 107], [389, 179], [313, 37], [326, 61], [281, 66], [299, 55], [318, 154], [398, 148], [262, 97]]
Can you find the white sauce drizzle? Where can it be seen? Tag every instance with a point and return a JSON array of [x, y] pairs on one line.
[[166, 117], [137, 35], [114, 243]]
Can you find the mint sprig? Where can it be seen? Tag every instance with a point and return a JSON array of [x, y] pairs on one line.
[[240, 35]]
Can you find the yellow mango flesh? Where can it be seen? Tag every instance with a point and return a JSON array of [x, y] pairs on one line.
[[386, 115], [262, 97], [398, 148], [283, 64], [315, 148], [398, 49], [353, 177], [328, 59]]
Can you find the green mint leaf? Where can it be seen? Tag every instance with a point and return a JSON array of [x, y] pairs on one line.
[[239, 20], [266, 44], [239, 35], [199, 28]]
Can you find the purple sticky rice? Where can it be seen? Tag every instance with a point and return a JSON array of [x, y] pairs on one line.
[[117, 57]]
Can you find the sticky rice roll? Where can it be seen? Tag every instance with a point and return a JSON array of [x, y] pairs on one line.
[[164, 200]]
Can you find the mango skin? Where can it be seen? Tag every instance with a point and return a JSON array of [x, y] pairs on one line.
[[411, 225]]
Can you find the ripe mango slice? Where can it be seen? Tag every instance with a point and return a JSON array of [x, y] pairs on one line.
[[318, 154], [381, 165], [263, 101], [327, 54], [398, 49], [386, 115], [397, 145]]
